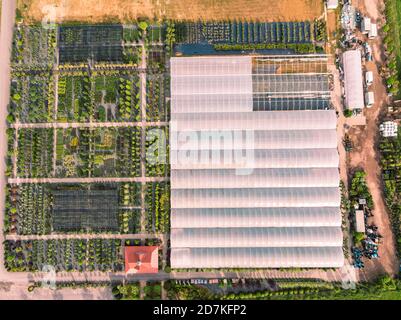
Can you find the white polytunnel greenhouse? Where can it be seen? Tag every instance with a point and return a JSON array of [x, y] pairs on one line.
[[256, 237], [251, 197], [276, 158], [258, 178], [254, 163], [261, 139], [255, 217], [254, 257], [270, 120]]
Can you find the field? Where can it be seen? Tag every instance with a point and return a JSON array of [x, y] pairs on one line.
[[190, 10], [40, 209]]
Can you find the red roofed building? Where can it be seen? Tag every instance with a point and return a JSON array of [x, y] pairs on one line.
[[141, 259]]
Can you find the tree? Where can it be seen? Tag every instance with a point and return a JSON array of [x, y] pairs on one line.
[[358, 237], [143, 25], [348, 113], [387, 283]]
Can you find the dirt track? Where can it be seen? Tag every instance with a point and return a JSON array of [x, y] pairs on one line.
[[366, 155], [193, 10]]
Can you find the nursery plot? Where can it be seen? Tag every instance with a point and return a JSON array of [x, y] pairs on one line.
[[132, 54], [98, 152], [30, 209], [128, 99], [157, 200], [35, 153], [130, 207], [157, 59], [130, 221], [131, 34], [71, 146], [65, 255], [32, 98], [244, 32], [106, 96], [34, 46], [97, 43], [156, 34], [74, 99], [130, 195], [156, 90], [128, 152], [157, 152], [85, 209], [117, 98]]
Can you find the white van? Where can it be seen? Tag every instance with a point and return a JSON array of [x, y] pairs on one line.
[[369, 78], [369, 99], [373, 31]]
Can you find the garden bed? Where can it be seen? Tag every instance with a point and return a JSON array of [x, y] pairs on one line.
[[157, 201], [64, 255], [35, 153]]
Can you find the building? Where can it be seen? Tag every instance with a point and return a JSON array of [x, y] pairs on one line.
[[353, 81], [332, 4], [360, 221], [389, 129], [141, 259], [270, 198]]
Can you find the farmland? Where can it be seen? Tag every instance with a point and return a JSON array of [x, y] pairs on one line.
[[190, 10]]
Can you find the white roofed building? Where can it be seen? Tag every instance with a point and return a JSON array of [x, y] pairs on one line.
[[353, 80], [332, 4]]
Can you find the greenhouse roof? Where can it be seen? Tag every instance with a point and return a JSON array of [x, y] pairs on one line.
[[252, 186], [352, 62]]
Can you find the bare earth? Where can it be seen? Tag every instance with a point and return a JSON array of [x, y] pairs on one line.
[[191, 10], [366, 155]]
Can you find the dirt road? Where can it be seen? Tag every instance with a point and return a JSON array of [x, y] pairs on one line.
[[366, 154], [6, 34]]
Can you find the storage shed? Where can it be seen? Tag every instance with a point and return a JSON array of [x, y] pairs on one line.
[[353, 80], [359, 221]]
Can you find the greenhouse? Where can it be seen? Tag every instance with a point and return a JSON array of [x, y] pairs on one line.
[[255, 217], [278, 257], [353, 80], [257, 237], [254, 163]]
